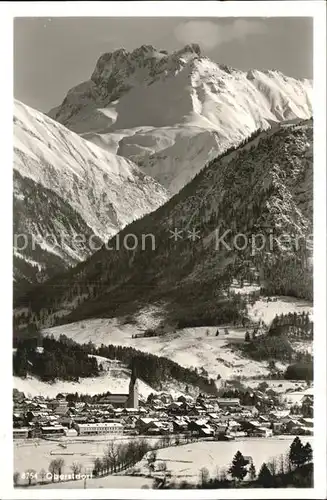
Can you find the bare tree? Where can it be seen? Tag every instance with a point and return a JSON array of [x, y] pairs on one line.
[[76, 469], [112, 455], [30, 475], [151, 460], [273, 466], [60, 464], [98, 466], [204, 475], [217, 472], [122, 454], [131, 452], [42, 475], [53, 468]]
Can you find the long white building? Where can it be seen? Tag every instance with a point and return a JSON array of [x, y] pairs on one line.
[[100, 428]]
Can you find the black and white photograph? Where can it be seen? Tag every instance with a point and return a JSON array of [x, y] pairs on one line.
[[166, 325]]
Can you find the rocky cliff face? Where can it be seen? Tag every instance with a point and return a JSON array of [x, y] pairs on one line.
[[171, 112]]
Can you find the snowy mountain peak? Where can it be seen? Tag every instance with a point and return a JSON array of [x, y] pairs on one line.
[[65, 185], [172, 112], [192, 48], [123, 64]]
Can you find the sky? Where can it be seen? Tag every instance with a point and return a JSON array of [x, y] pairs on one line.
[[51, 55]]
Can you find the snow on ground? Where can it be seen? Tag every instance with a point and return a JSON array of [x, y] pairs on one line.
[[170, 96], [124, 482], [296, 397], [303, 346], [107, 190], [185, 461], [37, 453], [266, 311], [190, 347], [280, 386], [113, 381]]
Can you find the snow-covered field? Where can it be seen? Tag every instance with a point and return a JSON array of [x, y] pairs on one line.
[[185, 461], [37, 453], [124, 482], [266, 311], [280, 386], [190, 347]]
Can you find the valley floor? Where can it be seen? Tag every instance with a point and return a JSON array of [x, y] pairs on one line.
[[83, 450], [185, 461]]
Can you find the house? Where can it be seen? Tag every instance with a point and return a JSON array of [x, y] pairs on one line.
[[21, 433], [307, 422], [180, 425], [291, 425], [52, 430], [130, 411], [176, 407], [186, 398], [220, 429], [277, 415], [99, 428], [160, 427], [65, 420], [206, 431], [201, 427], [165, 398], [250, 410], [71, 433], [18, 419], [234, 426], [278, 427], [142, 424], [228, 402], [248, 459], [262, 432]]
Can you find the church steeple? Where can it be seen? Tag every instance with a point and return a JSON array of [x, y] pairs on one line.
[[133, 396]]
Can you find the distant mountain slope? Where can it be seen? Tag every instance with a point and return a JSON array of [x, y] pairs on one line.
[[151, 107], [263, 187], [65, 187]]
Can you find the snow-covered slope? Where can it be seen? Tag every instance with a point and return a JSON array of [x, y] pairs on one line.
[[262, 188], [105, 382], [69, 194], [189, 347], [168, 112]]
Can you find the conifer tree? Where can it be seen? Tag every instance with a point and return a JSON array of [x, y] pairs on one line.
[[238, 468], [265, 478]]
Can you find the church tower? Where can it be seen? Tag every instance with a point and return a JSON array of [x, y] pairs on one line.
[[133, 395]]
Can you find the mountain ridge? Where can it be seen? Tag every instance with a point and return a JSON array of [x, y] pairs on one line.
[[148, 105], [189, 280], [65, 186]]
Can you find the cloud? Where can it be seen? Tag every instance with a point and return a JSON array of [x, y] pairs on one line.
[[209, 34]]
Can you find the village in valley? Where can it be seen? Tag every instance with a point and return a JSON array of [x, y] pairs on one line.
[[150, 422], [68, 422]]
